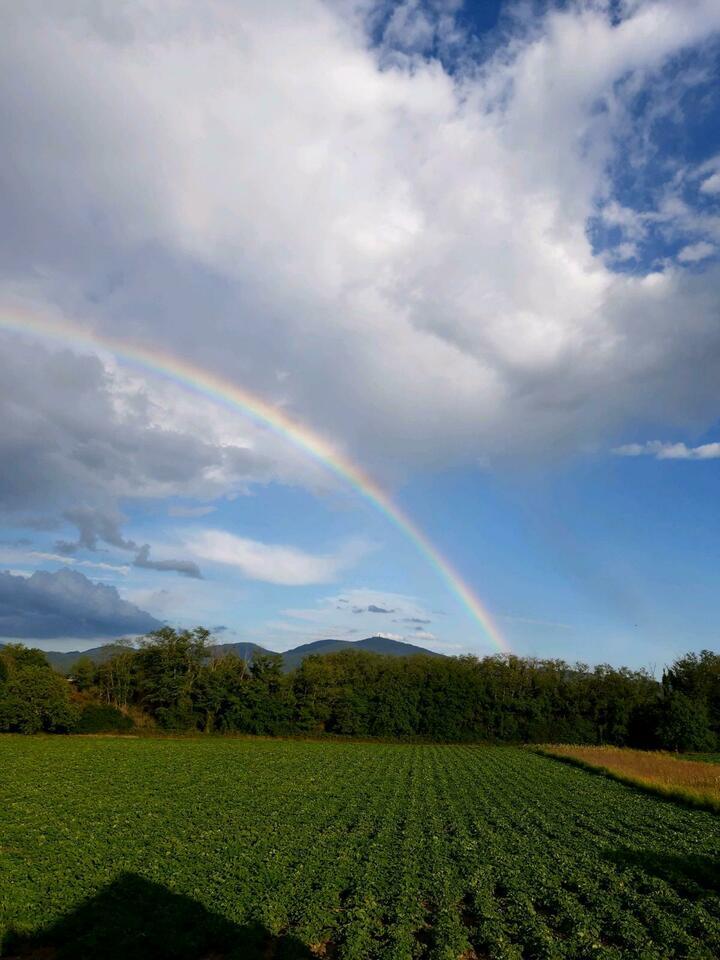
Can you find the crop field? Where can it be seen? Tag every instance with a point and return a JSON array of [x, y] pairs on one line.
[[693, 780], [229, 848]]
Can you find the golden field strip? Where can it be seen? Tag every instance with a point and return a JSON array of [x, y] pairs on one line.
[[692, 781]]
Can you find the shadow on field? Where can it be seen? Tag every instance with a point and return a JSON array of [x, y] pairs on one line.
[[134, 919], [684, 873]]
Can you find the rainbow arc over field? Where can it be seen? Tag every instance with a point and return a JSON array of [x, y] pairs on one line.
[[224, 391]]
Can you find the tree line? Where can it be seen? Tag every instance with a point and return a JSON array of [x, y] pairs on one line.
[[177, 681]]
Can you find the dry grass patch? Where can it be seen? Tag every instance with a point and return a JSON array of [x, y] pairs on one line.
[[663, 773]]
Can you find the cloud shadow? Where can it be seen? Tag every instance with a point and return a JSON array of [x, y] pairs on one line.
[[136, 918], [689, 874]]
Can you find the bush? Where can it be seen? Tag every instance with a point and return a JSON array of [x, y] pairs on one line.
[[102, 718]]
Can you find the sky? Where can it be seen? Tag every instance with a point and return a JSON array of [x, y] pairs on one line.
[[459, 262]]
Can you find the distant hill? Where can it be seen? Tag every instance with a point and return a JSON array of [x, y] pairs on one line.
[[246, 651], [391, 648], [63, 661]]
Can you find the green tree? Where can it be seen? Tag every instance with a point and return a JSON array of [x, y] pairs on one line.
[[684, 724], [16, 655], [219, 690], [168, 665], [697, 675], [84, 671], [35, 698], [115, 677]]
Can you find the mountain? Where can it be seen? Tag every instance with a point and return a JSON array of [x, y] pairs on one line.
[[63, 662], [246, 651], [391, 648]]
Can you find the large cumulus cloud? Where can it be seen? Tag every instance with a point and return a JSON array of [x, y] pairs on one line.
[[396, 250]]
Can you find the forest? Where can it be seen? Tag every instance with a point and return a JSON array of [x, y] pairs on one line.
[[174, 680]]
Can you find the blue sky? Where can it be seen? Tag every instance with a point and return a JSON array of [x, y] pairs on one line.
[[474, 247]]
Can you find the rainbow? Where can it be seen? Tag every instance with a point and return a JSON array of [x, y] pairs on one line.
[[224, 391]]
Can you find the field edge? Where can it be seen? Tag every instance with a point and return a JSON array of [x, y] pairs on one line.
[[693, 800]]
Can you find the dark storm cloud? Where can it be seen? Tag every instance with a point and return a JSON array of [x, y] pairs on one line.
[[186, 568], [66, 604]]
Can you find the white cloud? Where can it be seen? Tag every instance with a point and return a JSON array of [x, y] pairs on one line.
[[73, 561], [711, 185], [397, 255], [360, 601], [273, 563], [694, 252], [352, 614], [625, 251], [632, 223], [33, 557], [669, 451]]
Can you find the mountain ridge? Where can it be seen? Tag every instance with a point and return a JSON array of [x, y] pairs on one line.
[[63, 661]]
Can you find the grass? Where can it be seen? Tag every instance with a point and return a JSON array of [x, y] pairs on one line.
[[241, 848], [692, 781], [704, 757]]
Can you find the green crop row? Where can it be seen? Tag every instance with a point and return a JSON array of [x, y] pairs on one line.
[[162, 848]]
